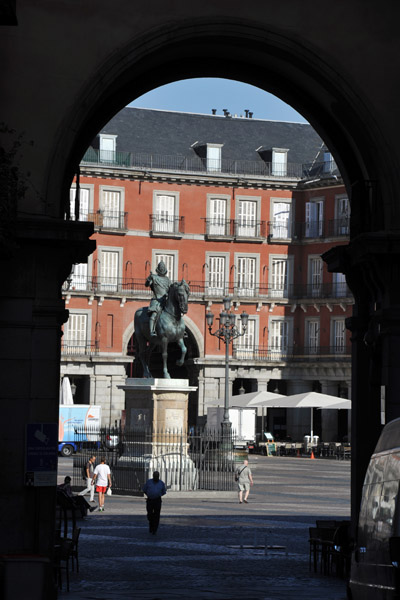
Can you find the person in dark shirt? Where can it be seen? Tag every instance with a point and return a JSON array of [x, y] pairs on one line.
[[154, 488]]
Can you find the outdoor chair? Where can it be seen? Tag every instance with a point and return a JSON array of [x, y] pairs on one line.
[[314, 547]]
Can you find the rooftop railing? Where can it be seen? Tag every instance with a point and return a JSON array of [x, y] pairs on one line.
[[193, 164]]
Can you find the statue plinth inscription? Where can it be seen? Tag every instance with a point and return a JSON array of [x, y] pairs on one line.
[[158, 403]]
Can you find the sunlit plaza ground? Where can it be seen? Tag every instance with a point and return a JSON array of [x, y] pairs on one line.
[[213, 547]]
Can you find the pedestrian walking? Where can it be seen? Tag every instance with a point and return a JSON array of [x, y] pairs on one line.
[[102, 477], [89, 472], [244, 479], [154, 488]]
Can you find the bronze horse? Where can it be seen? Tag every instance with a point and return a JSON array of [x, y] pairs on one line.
[[169, 328]]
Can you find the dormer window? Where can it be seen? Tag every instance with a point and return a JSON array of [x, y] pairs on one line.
[[214, 157], [279, 161], [108, 145], [328, 162]]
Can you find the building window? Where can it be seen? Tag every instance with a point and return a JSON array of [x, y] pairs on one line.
[[217, 275], [170, 260], [281, 220], [84, 203], [246, 278], [312, 327], [329, 163], [218, 222], [214, 158], [79, 277], [314, 218], [279, 278], [76, 333], [107, 148], [165, 217], [339, 285], [111, 208], [109, 269], [338, 336], [278, 338], [279, 162], [342, 213], [247, 224], [246, 343], [315, 266]]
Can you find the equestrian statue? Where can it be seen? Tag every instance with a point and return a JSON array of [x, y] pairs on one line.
[[162, 322]]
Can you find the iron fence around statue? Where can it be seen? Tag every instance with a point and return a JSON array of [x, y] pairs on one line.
[[199, 459]]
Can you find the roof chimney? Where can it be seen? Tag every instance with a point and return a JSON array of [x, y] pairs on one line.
[[214, 111], [246, 110], [250, 115], [225, 111]]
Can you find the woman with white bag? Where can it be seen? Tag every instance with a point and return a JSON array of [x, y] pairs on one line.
[[102, 475]]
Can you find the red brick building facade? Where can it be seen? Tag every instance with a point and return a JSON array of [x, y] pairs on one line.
[[244, 211]]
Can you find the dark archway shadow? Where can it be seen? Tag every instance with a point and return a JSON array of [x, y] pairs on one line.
[[242, 51]]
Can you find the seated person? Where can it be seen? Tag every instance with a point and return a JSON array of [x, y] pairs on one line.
[[78, 502]]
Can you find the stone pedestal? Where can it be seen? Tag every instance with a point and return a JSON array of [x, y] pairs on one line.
[[161, 404], [157, 417]]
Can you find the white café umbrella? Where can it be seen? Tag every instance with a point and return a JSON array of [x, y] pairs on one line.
[[66, 392], [252, 399], [309, 400]]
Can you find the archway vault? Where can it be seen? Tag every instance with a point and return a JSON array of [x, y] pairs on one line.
[[267, 58]]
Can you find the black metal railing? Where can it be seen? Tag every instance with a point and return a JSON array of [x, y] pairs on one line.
[[279, 230], [129, 286], [292, 353], [79, 347], [249, 228], [339, 227], [104, 219], [216, 227], [164, 224], [194, 164], [320, 169], [199, 459]]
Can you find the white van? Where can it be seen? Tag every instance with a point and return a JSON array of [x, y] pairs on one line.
[[375, 573]]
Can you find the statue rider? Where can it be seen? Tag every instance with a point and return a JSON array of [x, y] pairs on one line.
[[159, 285]]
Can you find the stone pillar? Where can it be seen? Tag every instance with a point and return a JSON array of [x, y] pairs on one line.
[[35, 263], [298, 419], [357, 261], [329, 418]]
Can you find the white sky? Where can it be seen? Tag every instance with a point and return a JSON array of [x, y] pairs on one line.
[[203, 94]]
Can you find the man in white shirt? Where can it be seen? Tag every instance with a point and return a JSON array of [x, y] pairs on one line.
[[102, 475]]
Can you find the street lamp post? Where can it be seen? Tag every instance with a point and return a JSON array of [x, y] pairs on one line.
[[227, 332]]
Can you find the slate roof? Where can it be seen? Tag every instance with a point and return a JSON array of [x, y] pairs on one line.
[[174, 133]]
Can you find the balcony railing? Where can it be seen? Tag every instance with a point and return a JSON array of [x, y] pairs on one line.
[[104, 219], [127, 286], [249, 228], [293, 353], [322, 229], [167, 224], [79, 348], [216, 227], [193, 164], [279, 230]]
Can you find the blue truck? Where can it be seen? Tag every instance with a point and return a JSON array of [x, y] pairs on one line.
[[78, 425]]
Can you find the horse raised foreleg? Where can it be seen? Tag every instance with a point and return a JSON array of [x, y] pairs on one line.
[[183, 348], [164, 349]]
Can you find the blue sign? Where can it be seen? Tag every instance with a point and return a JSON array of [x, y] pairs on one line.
[[41, 454]]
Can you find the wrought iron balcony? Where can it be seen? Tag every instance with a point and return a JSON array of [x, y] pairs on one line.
[[218, 228], [167, 225], [335, 290], [293, 353], [194, 164], [104, 219], [249, 229], [78, 347], [215, 288], [279, 230], [322, 229], [339, 227]]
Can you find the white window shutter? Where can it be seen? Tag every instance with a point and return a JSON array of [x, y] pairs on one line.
[[216, 275], [109, 263]]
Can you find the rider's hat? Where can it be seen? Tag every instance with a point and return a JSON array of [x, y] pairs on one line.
[[161, 268]]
